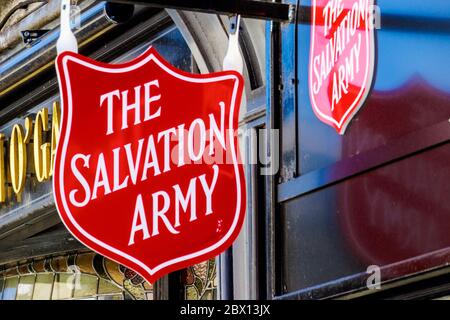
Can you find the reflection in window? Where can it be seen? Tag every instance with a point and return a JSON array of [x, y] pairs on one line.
[[43, 286]]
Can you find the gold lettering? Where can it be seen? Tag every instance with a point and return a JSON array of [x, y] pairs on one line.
[[56, 116], [18, 159], [41, 148]]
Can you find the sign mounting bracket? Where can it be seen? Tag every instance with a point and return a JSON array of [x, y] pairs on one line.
[[256, 9]]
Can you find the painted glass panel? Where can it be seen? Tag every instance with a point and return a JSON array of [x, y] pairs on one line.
[[63, 286], [85, 285], [410, 88], [105, 286], [65, 277], [91, 276]]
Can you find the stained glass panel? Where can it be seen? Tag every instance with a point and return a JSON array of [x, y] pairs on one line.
[[25, 287], [43, 286], [105, 287], [200, 281], [91, 276], [85, 285], [1, 287], [10, 290]]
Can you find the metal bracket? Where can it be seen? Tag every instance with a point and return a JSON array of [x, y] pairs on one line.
[[31, 36], [256, 9]]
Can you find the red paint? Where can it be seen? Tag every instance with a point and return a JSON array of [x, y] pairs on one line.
[[117, 187], [341, 59]]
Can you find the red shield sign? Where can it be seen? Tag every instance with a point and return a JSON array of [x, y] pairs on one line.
[[341, 59], [147, 169]]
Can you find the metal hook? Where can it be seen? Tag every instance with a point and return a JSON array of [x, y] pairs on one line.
[[234, 23]]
